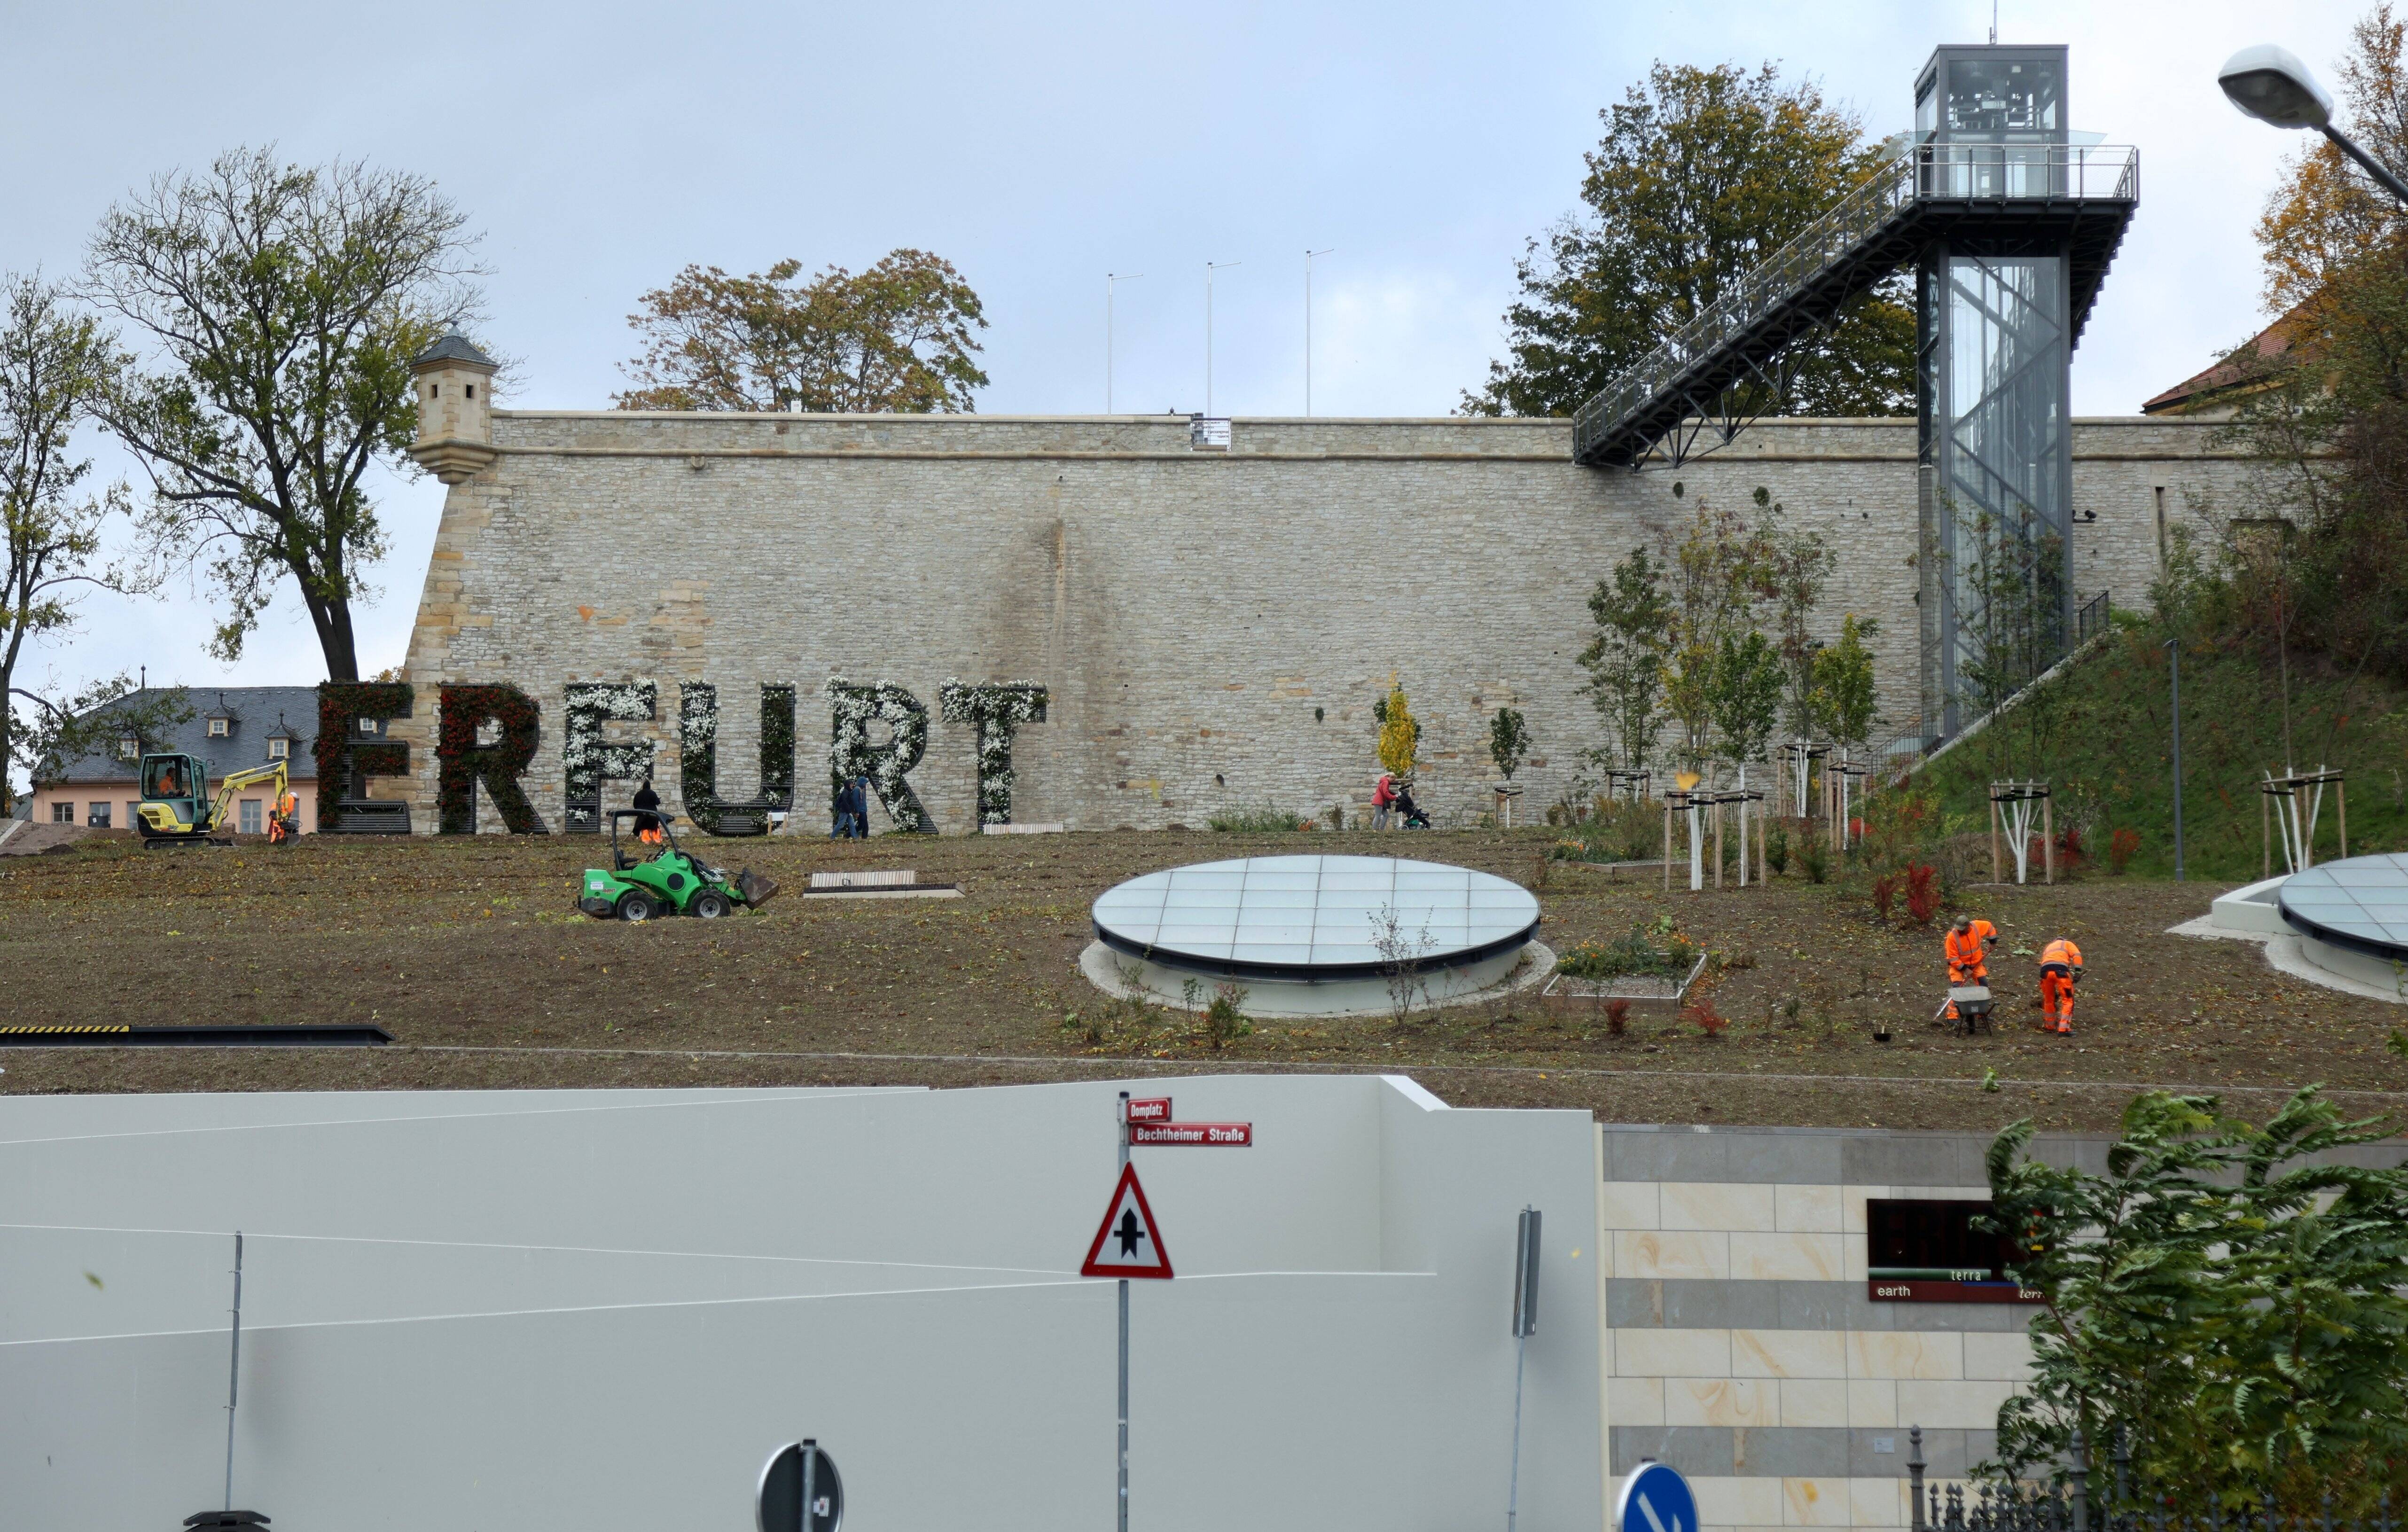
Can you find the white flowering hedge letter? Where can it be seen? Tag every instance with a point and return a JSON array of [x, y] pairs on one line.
[[998, 710], [587, 759], [698, 761], [851, 707]]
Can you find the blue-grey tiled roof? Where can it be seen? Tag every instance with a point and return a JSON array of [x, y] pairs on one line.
[[454, 346], [253, 713]]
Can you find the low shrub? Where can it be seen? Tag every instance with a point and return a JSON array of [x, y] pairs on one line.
[[1618, 1017], [1656, 948], [1922, 892], [2121, 846], [1815, 858], [1885, 894], [1261, 819], [1701, 1014], [1225, 1021], [1776, 849]]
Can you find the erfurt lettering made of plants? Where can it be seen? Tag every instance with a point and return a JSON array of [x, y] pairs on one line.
[[698, 761], [464, 760], [587, 758], [347, 758], [998, 710], [852, 707]]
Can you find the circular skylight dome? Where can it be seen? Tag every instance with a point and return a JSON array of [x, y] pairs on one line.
[[1315, 918], [2361, 902]]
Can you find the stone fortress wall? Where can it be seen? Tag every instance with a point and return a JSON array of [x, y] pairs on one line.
[[1212, 628]]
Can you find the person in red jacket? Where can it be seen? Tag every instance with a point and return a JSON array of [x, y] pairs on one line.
[[1384, 797]]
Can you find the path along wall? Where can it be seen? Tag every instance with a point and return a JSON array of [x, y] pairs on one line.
[[1211, 628]]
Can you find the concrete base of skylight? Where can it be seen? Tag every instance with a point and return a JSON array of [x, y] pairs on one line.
[[1123, 977]]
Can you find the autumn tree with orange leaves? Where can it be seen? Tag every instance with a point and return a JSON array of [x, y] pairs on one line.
[[899, 338]]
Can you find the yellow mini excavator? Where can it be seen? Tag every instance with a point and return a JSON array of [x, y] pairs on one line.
[[176, 807]]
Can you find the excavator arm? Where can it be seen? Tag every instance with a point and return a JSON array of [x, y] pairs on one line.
[[235, 781]]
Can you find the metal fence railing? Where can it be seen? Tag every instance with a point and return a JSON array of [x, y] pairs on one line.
[[2091, 620], [2103, 1500], [1927, 173]]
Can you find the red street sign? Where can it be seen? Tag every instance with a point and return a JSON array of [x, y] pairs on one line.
[[1149, 1108], [1128, 1243], [1198, 1135]]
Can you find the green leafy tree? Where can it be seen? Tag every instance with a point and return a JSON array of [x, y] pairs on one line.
[[56, 367], [1845, 704], [283, 304], [1625, 660], [1509, 741], [2240, 1314], [1746, 696], [1711, 585], [896, 337], [1701, 175], [1796, 566]]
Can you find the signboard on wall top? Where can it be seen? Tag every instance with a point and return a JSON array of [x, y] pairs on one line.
[[1208, 433]]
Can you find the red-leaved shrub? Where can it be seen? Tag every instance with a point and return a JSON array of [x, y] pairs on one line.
[[2120, 847], [1618, 1017], [1922, 892], [1701, 1013], [1885, 894]]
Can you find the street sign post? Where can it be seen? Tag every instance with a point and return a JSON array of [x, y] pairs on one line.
[[1149, 1108], [1656, 1498], [1192, 1134], [1525, 1324], [1128, 1242], [799, 1475]]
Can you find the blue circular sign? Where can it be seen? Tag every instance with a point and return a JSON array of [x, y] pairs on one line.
[[1656, 1498]]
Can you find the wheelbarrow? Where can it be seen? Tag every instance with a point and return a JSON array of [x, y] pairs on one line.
[[1972, 1003]]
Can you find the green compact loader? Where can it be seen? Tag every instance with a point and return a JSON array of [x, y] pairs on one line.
[[640, 887]]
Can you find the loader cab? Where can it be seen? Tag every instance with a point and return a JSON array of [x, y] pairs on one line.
[[174, 793]]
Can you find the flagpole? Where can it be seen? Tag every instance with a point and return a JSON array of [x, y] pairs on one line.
[[1123, 1285]]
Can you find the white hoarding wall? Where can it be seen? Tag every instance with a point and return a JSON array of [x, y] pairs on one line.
[[603, 1311]]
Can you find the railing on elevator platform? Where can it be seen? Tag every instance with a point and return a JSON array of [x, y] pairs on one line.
[[1881, 225]]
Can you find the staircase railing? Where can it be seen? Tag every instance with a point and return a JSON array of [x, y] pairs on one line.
[[1928, 173]]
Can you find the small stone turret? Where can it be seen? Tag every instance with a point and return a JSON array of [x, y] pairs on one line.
[[455, 422]]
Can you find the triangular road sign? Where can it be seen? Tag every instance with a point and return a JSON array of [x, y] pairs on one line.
[[1130, 1242]]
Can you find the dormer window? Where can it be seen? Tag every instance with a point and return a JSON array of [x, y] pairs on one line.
[[367, 725], [280, 749], [221, 727], [128, 748]]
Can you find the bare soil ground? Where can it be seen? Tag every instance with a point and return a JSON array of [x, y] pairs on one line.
[[471, 954]]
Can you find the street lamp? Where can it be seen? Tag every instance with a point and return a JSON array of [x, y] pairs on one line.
[[2272, 85]]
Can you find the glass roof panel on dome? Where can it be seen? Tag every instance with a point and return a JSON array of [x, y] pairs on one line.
[[2360, 902], [1311, 911]]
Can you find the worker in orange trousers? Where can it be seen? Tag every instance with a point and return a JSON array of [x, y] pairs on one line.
[[1966, 946], [2060, 969]]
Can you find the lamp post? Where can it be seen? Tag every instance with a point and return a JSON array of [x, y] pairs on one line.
[[1309, 254], [1210, 267], [2272, 85], [1112, 279]]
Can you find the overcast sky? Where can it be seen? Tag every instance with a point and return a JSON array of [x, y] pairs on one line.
[[1038, 147]]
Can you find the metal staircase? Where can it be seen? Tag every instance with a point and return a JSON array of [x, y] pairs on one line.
[[1711, 377]]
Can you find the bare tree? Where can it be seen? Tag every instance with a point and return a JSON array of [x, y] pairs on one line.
[[283, 304]]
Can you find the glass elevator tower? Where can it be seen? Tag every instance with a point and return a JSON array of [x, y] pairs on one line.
[[1994, 350]]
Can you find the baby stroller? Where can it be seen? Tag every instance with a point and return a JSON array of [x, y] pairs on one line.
[[1409, 812]]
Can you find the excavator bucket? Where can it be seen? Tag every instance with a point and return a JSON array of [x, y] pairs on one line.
[[756, 889]]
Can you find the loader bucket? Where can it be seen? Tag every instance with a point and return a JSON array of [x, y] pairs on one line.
[[758, 890]]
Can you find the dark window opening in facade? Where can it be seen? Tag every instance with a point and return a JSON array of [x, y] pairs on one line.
[[1913, 1239], [97, 816]]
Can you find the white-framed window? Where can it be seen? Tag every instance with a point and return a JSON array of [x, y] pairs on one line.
[[367, 725], [128, 748], [250, 816], [221, 727], [280, 749], [97, 815], [62, 813]]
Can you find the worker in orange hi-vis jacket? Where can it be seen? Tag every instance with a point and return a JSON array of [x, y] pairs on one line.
[[1966, 946], [2060, 969]]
